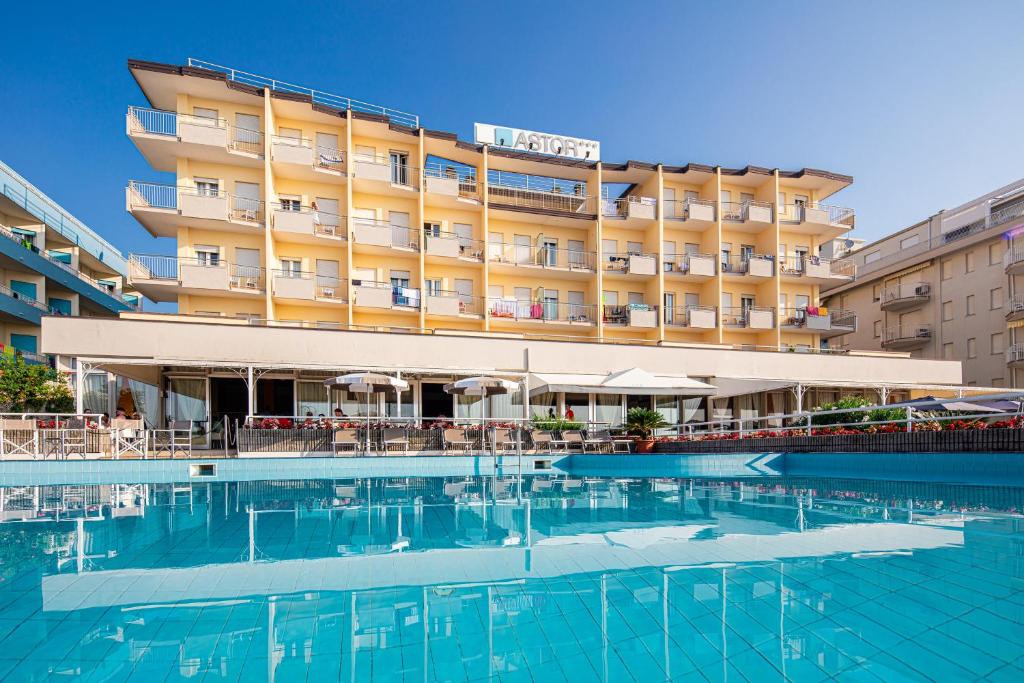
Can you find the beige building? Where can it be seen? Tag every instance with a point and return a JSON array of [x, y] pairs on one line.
[[945, 289]]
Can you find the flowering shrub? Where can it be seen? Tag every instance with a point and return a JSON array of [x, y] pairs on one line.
[[1016, 422]]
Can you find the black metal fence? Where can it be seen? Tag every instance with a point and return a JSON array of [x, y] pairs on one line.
[[973, 440]]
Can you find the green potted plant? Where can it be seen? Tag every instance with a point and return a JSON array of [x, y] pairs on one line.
[[641, 423]]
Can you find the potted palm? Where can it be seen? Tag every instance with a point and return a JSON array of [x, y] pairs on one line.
[[641, 423]]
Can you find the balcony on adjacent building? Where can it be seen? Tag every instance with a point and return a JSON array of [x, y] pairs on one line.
[[694, 214], [752, 215], [748, 265], [161, 208], [1015, 354], [694, 317], [695, 267], [556, 198], [451, 185], [905, 296], [1015, 308], [820, 321], [306, 225], [748, 317], [309, 288], [373, 236], [300, 158], [541, 312], [906, 337], [822, 220], [163, 278], [453, 304], [449, 245], [383, 174], [630, 211], [641, 316], [563, 262], [637, 265], [1013, 257], [385, 295], [817, 270]]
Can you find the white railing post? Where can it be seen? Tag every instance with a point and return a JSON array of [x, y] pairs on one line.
[[910, 419]]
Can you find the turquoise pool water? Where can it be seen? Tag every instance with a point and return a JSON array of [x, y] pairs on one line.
[[533, 579]]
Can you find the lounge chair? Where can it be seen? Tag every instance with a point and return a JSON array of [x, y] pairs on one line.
[[573, 438], [346, 439], [503, 440], [597, 440], [397, 438], [19, 437], [544, 440], [456, 439]]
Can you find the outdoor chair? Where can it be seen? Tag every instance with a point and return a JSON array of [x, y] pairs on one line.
[[598, 440], [19, 437], [176, 438], [346, 439], [128, 437], [456, 439], [503, 440], [544, 440], [573, 438], [395, 438]]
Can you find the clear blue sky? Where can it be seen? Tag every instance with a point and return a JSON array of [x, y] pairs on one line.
[[920, 101]]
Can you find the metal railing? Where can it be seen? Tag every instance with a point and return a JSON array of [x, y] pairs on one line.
[[246, 209], [290, 140], [679, 209], [622, 263], [247, 277], [329, 158], [738, 212], [898, 334], [620, 208], [316, 96], [1015, 304], [739, 264], [468, 304], [399, 174], [31, 301], [543, 256], [152, 195], [536, 192], [1014, 253], [680, 263], [906, 291], [324, 286], [154, 267], [324, 222], [1015, 353], [408, 297], [739, 316], [679, 316], [465, 175], [542, 311], [152, 121], [797, 266], [799, 213], [620, 314], [467, 246], [246, 140]]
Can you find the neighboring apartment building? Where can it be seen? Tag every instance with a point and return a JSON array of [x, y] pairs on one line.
[[292, 208], [945, 288], [51, 263]]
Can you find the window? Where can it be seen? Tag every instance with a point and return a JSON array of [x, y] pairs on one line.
[[291, 267], [970, 304], [634, 247], [947, 269], [997, 381], [204, 113], [997, 343], [207, 255], [947, 351], [433, 286], [289, 134], [26, 343], [908, 242], [207, 187], [290, 202], [995, 255], [969, 262], [972, 347], [947, 311], [432, 228], [995, 299], [24, 290], [872, 257], [399, 278], [878, 329], [876, 293]]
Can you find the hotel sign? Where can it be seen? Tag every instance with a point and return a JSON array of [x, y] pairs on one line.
[[540, 143]]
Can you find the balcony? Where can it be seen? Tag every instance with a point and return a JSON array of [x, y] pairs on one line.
[[817, 270], [906, 296], [306, 225], [301, 159], [1015, 354], [374, 236], [690, 267], [689, 214], [822, 220], [751, 216], [451, 186], [452, 304], [748, 265], [549, 197], [384, 295], [309, 288], [630, 212], [164, 136], [163, 278], [1013, 258], [643, 265], [161, 208], [906, 337], [1015, 308], [569, 263], [19, 308], [749, 317], [640, 316], [542, 312], [692, 317], [814, 320], [448, 245], [380, 175]]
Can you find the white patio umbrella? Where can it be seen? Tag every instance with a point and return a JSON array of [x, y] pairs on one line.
[[367, 383], [482, 387]]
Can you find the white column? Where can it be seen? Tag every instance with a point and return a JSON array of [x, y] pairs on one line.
[[83, 371], [250, 391]]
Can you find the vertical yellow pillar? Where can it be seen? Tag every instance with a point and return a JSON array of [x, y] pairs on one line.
[[417, 226], [348, 215], [595, 193], [717, 185], [776, 238], [481, 184], [660, 251], [269, 196]]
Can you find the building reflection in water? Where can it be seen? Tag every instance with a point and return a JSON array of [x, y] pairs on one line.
[[463, 578]]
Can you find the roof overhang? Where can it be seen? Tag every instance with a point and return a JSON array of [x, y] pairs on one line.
[[633, 381]]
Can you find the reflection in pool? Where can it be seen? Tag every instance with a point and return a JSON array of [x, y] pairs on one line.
[[561, 578]]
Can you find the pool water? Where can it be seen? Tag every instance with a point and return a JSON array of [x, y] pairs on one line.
[[512, 579]]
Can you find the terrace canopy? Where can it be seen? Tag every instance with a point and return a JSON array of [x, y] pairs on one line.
[[632, 381]]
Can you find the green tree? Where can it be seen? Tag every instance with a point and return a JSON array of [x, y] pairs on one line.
[[642, 422], [32, 388]]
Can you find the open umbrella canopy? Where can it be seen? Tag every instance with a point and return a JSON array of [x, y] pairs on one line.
[[367, 382], [481, 386]]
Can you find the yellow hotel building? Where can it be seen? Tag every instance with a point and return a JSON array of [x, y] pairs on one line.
[[294, 208]]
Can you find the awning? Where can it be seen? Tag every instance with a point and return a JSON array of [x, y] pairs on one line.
[[633, 381], [735, 386]]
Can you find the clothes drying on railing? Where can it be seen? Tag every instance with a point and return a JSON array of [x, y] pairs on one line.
[[405, 296]]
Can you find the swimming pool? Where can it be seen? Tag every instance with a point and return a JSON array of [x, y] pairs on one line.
[[533, 578]]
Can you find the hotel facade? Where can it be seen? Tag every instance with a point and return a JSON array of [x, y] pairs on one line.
[[948, 287], [315, 234]]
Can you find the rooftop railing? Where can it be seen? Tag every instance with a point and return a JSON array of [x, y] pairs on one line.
[[316, 96]]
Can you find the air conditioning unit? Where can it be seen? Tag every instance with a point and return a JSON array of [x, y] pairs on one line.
[[922, 289]]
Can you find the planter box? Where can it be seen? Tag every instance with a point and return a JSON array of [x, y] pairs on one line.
[[760, 267], [203, 206], [448, 187], [291, 153], [643, 265], [442, 246], [202, 133], [443, 305]]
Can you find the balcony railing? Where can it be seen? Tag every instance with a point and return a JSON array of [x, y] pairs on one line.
[[542, 311], [246, 209], [814, 212], [705, 265], [689, 209], [548, 194], [329, 158], [739, 212], [153, 267], [382, 168], [632, 315], [1015, 353], [630, 207], [906, 293], [324, 222], [290, 140], [756, 265], [374, 232], [152, 195], [817, 266], [705, 317], [906, 334], [760, 317], [455, 303], [443, 243], [142, 120], [34, 303], [462, 177], [1014, 254], [320, 286], [810, 317], [246, 141], [543, 256], [631, 263]]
